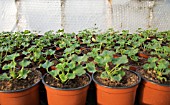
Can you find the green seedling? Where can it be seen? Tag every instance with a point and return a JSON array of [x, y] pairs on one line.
[[160, 66]]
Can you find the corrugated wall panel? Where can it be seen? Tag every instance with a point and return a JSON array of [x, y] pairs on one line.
[[75, 15], [40, 15], [161, 15], [8, 13], [80, 14], [130, 15]]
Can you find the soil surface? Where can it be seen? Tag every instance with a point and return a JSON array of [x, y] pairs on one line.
[[85, 50], [141, 61], [128, 80], [16, 84], [152, 76], [73, 83]]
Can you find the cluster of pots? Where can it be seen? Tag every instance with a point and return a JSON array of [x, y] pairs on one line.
[[144, 92]]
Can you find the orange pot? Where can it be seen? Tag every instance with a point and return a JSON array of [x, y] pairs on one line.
[[134, 68], [59, 96], [143, 55], [154, 94], [116, 95], [28, 96]]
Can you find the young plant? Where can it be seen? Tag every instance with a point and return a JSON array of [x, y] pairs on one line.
[[131, 53], [116, 73], [112, 66], [159, 66], [13, 73], [67, 69], [23, 73], [12, 65], [49, 52], [162, 52]]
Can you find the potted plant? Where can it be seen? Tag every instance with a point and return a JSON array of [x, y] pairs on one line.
[[19, 86], [113, 83], [155, 86], [68, 83]]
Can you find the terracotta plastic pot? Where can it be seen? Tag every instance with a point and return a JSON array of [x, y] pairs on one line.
[[28, 96], [143, 55], [151, 93], [115, 56], [72, 96], [134, 68], [116, 95]]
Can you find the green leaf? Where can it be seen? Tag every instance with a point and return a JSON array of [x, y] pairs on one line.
[[4, 76], [79, 70], [75, 45], [47, 64], [62, 44], [116, 78], [67, 69], [54, 73], [23, 74], [161, 66], [152, 59], [37, 54], [163, 62], [12, 64], [61, 59], [134, 58], [6, 67], [91, 67], [71, 75], [104, 75], [61, 66], [78, 51], [107, 67], [107, 59], [167, 71], [121, 60], [122, 73], [25, 53], [146, 66], [100, 61], [132, 51], [50, 52], [72, 65], [11, 57], [95, 50], [24, 63], [152, 65], [107, 53], [63, 78], [69, 50], [82, 58], [13, 74], [121, 42], [26, 32], [8, 58]]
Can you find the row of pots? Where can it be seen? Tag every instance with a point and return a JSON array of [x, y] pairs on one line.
[[149, 93]]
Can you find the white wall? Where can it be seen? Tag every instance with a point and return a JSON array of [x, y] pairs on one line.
[[75, 15]]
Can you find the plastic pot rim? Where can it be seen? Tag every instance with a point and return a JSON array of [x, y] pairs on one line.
[[20, 90], [66, 89], [114, 87], [167, 85]]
